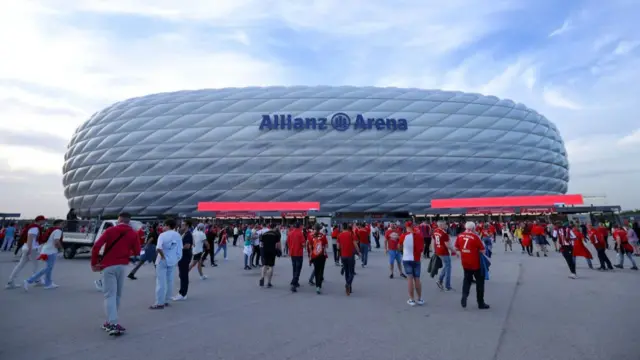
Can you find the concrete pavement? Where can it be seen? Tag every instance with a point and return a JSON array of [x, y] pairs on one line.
[[537, 313]]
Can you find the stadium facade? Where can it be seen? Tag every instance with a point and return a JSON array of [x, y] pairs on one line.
[[353, 149]]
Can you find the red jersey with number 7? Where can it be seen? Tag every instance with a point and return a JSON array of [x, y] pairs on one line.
[[470, 246]]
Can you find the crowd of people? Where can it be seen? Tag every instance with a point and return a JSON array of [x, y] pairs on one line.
[[182, 246]]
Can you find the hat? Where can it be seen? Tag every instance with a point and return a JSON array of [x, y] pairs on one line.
[[40, 218]]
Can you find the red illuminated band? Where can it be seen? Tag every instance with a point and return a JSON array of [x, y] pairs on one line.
[[258, 206], [543, 200]]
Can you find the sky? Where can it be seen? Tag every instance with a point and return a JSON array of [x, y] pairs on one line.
[[575, 61]]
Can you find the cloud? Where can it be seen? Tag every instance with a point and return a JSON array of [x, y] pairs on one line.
[[556, 98], [70, 58], [566, 26]]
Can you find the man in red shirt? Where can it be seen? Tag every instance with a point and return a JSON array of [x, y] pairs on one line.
[[443, 250], [598, 242], [110, 255], [412, 245], [604, 232], [537, 232], [624, 248], [348, 247], [365, 244], [471, 248], [296, 243], [391, 241]]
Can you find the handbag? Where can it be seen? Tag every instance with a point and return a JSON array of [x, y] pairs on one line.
[[104, 250]]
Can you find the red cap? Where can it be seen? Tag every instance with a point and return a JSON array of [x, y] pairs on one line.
[[40, 218]]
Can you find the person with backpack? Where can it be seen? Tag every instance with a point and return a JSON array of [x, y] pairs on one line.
[[52, 243], [28, 241], [318, 255], [110, 255]]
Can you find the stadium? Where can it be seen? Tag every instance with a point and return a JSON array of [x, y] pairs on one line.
[[350, 149]]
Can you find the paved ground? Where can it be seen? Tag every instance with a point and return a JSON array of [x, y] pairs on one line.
[[537, 314]]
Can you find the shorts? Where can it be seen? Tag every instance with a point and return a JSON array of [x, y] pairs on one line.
[[541, 240], [412, 268], [197, 257], [269, 259], [394, 255]]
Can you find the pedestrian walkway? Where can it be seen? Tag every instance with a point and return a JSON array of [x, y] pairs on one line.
[[536, 313]]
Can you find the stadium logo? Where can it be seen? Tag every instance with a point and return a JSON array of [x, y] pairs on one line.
[[338, 121]]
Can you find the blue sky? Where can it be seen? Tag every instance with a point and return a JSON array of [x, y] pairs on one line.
[[576, 62]]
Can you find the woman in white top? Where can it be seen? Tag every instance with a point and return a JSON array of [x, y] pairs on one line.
[[199, 245], [48, 253]]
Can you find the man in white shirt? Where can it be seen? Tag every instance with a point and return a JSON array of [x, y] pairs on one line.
[[169, 249], [199, 245], [29, 249], [48, 253], [256, 247]]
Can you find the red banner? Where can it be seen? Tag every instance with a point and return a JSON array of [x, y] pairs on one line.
[[489, 202], [258, 206]]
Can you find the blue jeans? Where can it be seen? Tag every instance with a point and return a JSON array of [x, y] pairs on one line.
[[445, 274], [164, 282], [221, 247], [51, 260], [112, 281], [246, 260], [364, 250]]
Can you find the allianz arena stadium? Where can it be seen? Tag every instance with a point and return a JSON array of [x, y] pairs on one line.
[[352, 149]]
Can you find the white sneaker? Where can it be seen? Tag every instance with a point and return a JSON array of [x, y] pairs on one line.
[[179, 298], [573, 276], [52, 286], [25, 285], [98, 284], [420, 302], [203, 277], [225, 259], [10, 286], [410, 302]]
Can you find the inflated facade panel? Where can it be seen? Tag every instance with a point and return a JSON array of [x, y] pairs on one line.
[[164, 153]]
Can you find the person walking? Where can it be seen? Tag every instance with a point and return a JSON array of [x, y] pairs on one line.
[[109, 255], [412, 246], [391, 244], [444, 250], [471, 248], [184, 265], [598, 242], [270, 249], [200, 247], [169, 251], [9, 237], [347, 247], [318, 256], [296, 242], [48, 254], [149, 252], [28, 242], [565, 236], [621, 236]]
